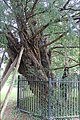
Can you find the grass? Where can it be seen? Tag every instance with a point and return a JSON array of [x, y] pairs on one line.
[[4, 90], [6, 87]]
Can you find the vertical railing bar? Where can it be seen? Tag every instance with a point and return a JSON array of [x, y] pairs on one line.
[[63, 95], [29, 100], [18, 92], [35, 97], [76, 99], [49, 100], [57, 102], [79, 96], [40, 96], [64, 84], [60, 102], [58, 99], [67, 99], [43, 98], [70, 84], [32, 97], [24, 95], [59, 92], [72, 96], [46, 96], [32, 102], [21, 93], [36, 103], [27, 97]]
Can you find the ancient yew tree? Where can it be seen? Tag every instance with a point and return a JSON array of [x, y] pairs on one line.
[[30, 23], [47, 30]]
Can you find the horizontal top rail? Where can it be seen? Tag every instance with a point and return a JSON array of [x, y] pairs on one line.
[[53, 81]]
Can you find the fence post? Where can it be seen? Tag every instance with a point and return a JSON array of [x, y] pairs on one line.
[[18, 91], [49, 98]]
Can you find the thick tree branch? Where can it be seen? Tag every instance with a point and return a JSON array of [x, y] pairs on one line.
[[64, 7], [54, 40], [64, 18], [7, 4], [68, 67], [34, 5], [72, 9], [32, 14], [1, 61], [12, 40], [40, 30], [64, 47]]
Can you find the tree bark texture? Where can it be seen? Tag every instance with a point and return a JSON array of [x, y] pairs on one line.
[[35, 60]]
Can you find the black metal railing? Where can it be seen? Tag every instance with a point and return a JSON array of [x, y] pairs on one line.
[[52, 99]]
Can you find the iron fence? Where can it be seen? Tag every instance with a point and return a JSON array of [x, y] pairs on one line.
[[50, 100]]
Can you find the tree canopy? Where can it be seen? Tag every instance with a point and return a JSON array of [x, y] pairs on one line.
[[48, 30]]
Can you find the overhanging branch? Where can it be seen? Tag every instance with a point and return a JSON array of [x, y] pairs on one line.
[[41, 29], [34, 5], [64, 47], [67, 67], [7, 4], [54, 40], [64, 7]]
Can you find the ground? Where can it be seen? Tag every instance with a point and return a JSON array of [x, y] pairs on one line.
[[11, 112]]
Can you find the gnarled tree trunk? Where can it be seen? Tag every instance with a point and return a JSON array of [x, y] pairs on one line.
[[35, 60]]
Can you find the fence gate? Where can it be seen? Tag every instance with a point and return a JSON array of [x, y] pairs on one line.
[[49, 100]]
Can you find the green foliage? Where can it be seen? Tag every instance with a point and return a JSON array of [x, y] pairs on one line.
[[3, 41], [45, 11]]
